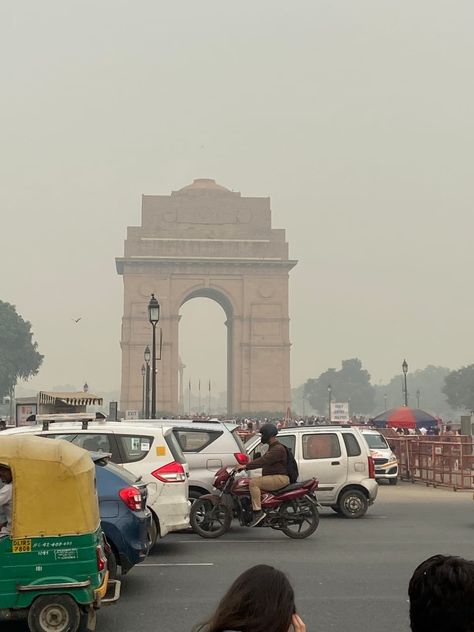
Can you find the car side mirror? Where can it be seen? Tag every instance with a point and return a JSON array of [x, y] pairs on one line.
[[257, 455]]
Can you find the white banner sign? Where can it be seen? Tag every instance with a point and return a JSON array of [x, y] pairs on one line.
[[131, 414], [340, 412]]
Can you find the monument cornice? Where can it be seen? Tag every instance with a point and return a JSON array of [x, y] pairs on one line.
[[177, 262]]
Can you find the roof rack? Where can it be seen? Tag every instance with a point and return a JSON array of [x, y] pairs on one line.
[[84, 418], [202, 421]]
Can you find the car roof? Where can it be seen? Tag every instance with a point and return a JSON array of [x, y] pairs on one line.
[[317, 428], [189, 423], [77, 427]]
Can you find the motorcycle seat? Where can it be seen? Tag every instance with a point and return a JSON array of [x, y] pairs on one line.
[[291, 487]]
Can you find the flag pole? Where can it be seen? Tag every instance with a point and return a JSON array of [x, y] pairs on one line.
[[200, 397], [189, 398], [209, 407]]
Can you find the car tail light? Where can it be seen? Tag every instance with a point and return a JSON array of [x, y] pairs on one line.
[[132, 498], [241, 458], [371, 467], [170, 473], [101, 559]]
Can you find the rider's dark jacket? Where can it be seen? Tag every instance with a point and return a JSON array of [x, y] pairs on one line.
[[273, 462]]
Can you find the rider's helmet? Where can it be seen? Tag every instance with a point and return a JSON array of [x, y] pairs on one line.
[[268, 431]]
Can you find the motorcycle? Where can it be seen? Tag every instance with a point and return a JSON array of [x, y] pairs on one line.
[[292, 509]]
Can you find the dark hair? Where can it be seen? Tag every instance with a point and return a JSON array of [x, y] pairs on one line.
[[441, 595], [259, 600]]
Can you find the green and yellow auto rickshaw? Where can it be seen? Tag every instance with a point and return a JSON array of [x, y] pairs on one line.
[[53, 568]]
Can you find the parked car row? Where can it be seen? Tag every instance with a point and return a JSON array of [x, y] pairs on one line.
[[149, 472]]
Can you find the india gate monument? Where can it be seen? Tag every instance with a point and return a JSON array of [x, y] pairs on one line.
[[207, 241]]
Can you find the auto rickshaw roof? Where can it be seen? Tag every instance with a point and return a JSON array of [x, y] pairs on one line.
[[53, 486]]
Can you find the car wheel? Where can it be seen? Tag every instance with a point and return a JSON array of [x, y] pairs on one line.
[[393, 481], [54, 613], [112, 565], [153, 532], [353, 503]]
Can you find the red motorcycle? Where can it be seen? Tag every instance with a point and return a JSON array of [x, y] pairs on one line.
[[292, 509]]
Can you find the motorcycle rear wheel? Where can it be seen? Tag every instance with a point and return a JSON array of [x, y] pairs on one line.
[[300, 519], [208, 519]]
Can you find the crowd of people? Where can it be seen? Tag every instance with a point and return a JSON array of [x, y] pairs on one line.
[[441, 599]]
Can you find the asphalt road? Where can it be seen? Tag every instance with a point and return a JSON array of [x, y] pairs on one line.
[[350, 575]]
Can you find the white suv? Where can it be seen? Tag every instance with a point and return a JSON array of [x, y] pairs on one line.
[[338, 457], [149, 451]]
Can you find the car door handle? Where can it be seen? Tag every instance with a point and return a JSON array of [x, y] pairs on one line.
[[335, 463]]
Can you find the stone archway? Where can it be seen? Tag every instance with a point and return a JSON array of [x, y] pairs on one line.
[[207, 241], [226, 303]]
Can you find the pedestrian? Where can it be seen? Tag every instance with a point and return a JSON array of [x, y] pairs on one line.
[[260, 600], [6, 493], [448, 432], [3, 424], [441, 593]]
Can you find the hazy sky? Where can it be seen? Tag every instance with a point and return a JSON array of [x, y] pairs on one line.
[[355, 117]]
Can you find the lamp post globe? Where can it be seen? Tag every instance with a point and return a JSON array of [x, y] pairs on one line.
[[154, 318], [153, 311]]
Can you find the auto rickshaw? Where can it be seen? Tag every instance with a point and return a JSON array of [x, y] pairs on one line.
[[53, 569]]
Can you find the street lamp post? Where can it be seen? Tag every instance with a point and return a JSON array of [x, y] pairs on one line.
[[418, 397], [153, 318], [385, 400], [329, 401], [147, 356], [143, 371], [405, 371]]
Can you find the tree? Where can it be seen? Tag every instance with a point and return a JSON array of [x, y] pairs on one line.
[[19, 357], [459, 388], [350, 384]]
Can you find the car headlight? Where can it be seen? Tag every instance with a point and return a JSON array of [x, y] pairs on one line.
[[393, 457]]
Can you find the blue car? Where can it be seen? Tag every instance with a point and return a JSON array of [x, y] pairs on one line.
[[125, 519]]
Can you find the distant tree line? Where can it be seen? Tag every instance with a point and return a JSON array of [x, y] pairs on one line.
[[435, 388]]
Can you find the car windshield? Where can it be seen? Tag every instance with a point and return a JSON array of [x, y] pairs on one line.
[[376, 442]]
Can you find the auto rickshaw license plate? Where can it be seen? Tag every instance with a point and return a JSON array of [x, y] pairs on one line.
[[21, 546]]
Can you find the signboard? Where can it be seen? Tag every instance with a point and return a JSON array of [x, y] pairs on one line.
[[130, 415], [340, 412], [23, 411]]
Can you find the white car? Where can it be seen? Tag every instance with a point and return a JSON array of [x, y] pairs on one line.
[[386, 463], [148, 450], [338, 456]]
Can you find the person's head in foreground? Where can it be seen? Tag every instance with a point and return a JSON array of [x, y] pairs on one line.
[[259, 600], [441, 593]]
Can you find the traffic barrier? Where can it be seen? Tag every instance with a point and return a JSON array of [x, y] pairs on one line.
[[445, 461]]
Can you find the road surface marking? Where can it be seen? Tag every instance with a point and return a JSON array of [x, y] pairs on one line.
[[196, 564]]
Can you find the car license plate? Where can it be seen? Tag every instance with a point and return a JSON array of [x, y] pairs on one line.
[[21, 546]]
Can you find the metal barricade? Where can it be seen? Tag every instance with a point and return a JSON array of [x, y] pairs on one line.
[[443, 461]]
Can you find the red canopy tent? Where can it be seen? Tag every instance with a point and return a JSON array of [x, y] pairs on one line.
[[405, 417]]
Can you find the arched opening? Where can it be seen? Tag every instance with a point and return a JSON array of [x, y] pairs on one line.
[[204, 346]]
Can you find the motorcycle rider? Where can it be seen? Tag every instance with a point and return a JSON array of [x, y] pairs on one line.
[[274, 471]]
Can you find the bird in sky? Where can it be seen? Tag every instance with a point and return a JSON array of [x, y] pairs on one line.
[[76, 320]]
